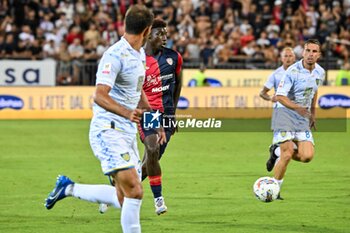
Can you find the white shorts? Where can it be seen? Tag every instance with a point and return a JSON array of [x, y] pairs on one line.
[[115, 150], [282, 136]]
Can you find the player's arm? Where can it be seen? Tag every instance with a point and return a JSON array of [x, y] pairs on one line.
[[178, 83], [313, 112], [145, 106], [264, 95], [290, 104], [102, 98], [143, 103]]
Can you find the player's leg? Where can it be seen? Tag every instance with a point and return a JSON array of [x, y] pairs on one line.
[[88, 192], [305, 151], [128, 181], [287, 152], [305, 144], [154, 171], [131, 190]]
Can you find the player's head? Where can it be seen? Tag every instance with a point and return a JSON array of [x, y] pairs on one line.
[[158, 36], [287, 57], [312, 51], [138, 21]]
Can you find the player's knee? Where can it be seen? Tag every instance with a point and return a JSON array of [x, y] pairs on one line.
[[135, 191], [287, 154], [307, 157], [152, 151]]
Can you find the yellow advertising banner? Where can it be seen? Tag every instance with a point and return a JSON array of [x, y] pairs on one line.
[[46, 102], [242, 78], [225, 102]]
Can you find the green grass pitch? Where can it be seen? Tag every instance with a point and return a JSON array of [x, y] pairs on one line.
[[207, 183]]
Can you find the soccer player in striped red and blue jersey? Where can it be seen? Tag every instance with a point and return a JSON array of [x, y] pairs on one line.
[[162, 87]]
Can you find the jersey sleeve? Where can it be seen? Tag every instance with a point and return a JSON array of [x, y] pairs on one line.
[[179, 64], [270, 81], [108, 69], [285, 84]]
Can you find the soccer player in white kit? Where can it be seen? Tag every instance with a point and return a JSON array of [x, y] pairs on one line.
[[287, 59], [120, 77], [295, 112]]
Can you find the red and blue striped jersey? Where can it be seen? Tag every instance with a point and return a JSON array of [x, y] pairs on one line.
[[162, 71]]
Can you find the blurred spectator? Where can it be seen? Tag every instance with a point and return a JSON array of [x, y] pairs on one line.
[[64, 65], [76, 53], [49, 49], [343, 76], [110, 35], [36, 51], [199, 76]]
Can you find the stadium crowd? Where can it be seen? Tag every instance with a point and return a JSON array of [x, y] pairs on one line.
[[214, 32]]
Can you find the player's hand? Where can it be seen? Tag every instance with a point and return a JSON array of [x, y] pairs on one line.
[[161, 136], [274, 99], [135, 115], [175, 129], [303, 112], [312, 122]]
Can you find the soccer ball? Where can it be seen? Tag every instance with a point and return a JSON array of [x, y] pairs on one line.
[[266, 189]]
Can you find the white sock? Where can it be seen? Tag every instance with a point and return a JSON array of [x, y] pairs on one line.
[[130, 216], [97, 193], [278, 151], [279, 182]]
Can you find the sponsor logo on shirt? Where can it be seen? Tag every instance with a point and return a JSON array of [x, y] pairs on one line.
[[106, 68], [159, 89]]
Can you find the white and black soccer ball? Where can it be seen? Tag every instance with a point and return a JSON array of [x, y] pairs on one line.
[[266, 189]]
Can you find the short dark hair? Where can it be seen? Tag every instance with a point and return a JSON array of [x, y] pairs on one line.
[[137, 19], [313, 41], [158, 23]]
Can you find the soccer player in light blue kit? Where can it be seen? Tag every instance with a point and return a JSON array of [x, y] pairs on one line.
[[295, 112], [113, 128], [287, 59]]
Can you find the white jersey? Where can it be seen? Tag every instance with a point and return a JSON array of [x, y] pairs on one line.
[[123, 69], [300, 86]]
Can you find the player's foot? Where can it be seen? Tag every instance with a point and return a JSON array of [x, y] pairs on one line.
[[279, 197], [103, 208], [160, 205], [272, 160], [58, 193]]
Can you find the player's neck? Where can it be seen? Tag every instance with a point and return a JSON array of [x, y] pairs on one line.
[[135, 41], [152, 51], [309, 67]]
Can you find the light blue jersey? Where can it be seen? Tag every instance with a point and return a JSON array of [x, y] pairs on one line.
[[275, 78], [300, 86], [272, 82], [123, 69]]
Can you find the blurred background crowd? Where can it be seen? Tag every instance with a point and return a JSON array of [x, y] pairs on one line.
[[244, 34]]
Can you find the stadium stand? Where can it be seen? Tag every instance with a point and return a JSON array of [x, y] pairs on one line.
[[222, 34]]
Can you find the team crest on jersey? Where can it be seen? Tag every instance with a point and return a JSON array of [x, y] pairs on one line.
[[169, 61], [125, 156]]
